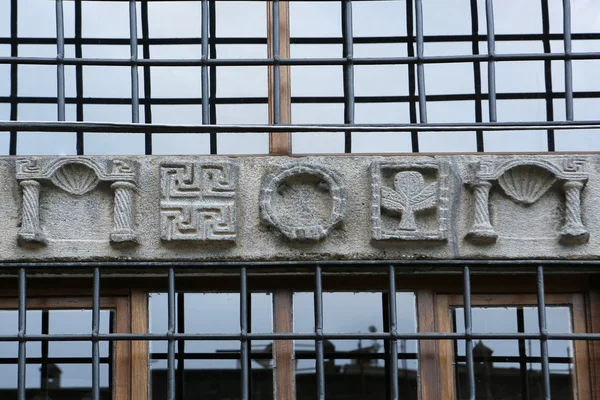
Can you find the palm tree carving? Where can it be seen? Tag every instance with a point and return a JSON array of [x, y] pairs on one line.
[[408, 196]]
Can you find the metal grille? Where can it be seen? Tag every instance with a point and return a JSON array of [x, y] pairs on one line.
[[207, 63], [391, 336]]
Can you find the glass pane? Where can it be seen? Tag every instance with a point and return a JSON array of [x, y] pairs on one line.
[[211, 369], [355, 369], [55, 370], [511, 369]]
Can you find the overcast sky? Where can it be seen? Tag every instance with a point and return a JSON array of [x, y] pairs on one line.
[[216, 313]]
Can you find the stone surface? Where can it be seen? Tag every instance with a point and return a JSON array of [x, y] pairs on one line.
[[300, 208]]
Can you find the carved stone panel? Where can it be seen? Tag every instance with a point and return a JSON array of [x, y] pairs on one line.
[[524, 181], [198, 201], [409, 201], [304, 202], [77, 176]]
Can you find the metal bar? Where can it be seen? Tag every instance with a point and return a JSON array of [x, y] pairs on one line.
[[195, 62], [385, 306], [468, 331], [457, 358], [60, 55], [212, 13], [79, 141], [135, 81], [205, 55], [276, 65], [22, 366], [348, 52], [394, 331], [522, 355], [14, 74], [147, 76], [44, 367], [170, 336], [543, 333], [492, 56], [477, 73], [95, 333], [295, 336], [568, 62], [420, 65], [320, 361], [244, 347], [35, 126], [180, 372], [548, 73]]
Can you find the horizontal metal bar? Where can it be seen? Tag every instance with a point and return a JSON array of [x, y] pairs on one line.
[[295, 336], [110, 127], [299, 61]]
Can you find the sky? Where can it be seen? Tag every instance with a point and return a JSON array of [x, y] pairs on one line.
[[307, 19]]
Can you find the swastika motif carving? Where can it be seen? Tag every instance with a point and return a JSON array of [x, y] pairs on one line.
[[198, 201]]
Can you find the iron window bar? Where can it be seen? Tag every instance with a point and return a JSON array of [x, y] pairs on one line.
[[244, 336]]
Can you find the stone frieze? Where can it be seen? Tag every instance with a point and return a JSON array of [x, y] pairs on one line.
[[300, 208]]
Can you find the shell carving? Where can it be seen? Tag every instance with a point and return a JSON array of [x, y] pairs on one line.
[[525, 184], [77, 179]]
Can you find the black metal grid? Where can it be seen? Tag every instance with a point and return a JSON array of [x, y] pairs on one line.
[[208, 64], [391, 336]]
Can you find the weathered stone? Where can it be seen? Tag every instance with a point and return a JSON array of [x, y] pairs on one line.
[[304, 202], [78, 215]]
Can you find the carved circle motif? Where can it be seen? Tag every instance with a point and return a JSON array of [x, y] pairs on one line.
[[75, 178], [310, 231]]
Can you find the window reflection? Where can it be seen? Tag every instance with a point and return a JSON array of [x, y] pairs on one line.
[[355, 369], [512, 369]]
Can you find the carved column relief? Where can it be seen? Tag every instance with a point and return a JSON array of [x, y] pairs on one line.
[[123, 213], [525, 181], [30, 231], [76, 176]]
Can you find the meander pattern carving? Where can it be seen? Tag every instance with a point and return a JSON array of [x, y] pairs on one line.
[[198, 201]]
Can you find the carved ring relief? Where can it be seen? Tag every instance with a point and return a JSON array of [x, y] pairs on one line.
[[525, 181], [77, 176], [304, 202]]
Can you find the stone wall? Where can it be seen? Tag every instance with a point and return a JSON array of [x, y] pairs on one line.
[[301, 208]]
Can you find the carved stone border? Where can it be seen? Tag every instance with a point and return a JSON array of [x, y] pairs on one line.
[[571, 174], [443, 211], [121, 173], [310, 233]]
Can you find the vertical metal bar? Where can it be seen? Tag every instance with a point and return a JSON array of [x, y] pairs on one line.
[[320, 361], [548, 73], [385, 305], [170, 331], [568, 62], [348, 51], [45, 345], [543, 331], [60, 56], [180, 382], [420, 65], [135, 81], [522, 355], [213, 73], [393, 332], [456, 364], [244, 356], [147, 76], [95, 332], [491, 43], [22, 334], [111, 350], [79, 75], [204, 68], [410, 50], [14, 73], [477, 72], [276, 66], [469, 332]]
